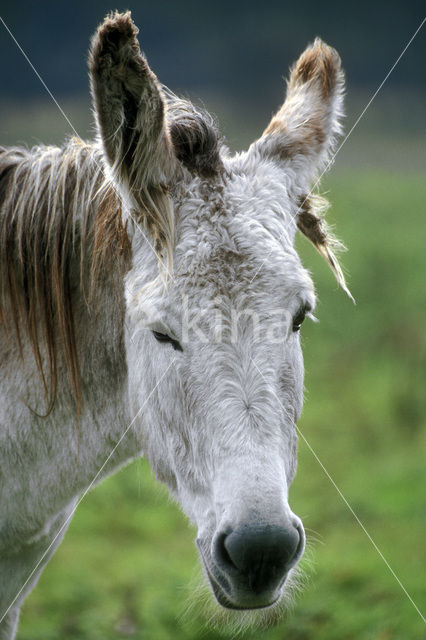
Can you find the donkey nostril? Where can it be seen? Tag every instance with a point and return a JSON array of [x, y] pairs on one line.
[[221, 552], [301, 544]]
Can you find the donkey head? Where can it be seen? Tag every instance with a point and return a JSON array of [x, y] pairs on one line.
[[214, 357]]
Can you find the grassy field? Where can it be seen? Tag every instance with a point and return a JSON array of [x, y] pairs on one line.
[[128, 565]]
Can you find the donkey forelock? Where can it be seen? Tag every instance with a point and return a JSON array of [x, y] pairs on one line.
[[195, 137]]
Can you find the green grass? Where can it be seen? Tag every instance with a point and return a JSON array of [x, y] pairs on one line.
[[128, 560]]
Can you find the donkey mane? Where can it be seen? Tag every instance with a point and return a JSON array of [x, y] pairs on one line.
[[52, 201], [58, 203]]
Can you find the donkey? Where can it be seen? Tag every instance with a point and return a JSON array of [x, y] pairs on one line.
[[117, 258]]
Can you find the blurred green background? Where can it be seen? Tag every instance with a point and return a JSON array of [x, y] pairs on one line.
[[128, 566]]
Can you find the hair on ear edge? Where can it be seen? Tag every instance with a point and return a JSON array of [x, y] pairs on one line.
[[310, 222]]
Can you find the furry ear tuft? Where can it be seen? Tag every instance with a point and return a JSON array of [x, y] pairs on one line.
[[318, 64], [116, 31], [311, 223], [303, 132]]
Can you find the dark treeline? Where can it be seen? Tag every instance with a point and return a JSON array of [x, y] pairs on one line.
[[240, 48]]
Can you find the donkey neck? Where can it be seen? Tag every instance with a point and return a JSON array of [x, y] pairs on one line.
[[60, 453]]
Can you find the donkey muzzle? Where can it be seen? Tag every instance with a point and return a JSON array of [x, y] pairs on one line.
[[250, 564]]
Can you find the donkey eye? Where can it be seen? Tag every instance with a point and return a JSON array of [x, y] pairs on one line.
[[299, 317], [164, 337]]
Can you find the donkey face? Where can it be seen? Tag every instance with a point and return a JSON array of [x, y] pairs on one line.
[[214, 357]]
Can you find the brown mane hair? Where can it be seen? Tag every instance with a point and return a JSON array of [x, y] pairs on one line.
[[54, 203]]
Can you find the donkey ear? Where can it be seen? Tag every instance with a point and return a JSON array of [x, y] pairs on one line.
[[302, 136], [130, 114], [304, 129]]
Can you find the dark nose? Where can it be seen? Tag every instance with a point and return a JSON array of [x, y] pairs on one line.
[[263, 555]]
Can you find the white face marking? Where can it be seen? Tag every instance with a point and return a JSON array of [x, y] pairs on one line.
[[220, 428]]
